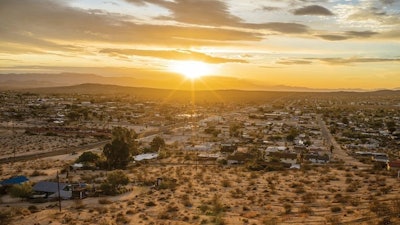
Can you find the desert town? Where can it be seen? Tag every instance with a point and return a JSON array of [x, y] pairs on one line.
[[108, 159]]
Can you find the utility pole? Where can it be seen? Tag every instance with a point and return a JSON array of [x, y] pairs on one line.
[[58, 188]]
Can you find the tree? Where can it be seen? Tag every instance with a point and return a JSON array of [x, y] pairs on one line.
[[126, 135], [157, 143], [122, 146], [391, 125], [88, 157], [117, 154], [115, 180], [234, 130], [21, 190], [293, 133]]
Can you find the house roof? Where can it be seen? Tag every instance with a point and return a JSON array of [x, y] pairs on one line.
[[48, 186], [14, 180]]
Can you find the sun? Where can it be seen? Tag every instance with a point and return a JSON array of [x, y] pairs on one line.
[[191, 69]]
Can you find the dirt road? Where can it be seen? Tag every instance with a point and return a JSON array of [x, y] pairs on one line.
[[338, 152]]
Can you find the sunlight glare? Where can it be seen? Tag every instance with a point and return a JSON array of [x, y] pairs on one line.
[[191, 69]]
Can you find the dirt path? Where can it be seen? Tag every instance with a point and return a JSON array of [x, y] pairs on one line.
[[338, 152]]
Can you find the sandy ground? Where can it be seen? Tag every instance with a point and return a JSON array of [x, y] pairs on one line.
[[213, 194], [28, 144]]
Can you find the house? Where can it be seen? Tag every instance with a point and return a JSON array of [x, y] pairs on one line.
[[317, 158], [239, 158], [14, 180], [145, 156], [51, 189], [208, 156], [285, 157], [228, 147]]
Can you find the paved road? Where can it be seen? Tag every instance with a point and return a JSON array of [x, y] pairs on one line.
[[338, 151], [69, 150], [52, 153]]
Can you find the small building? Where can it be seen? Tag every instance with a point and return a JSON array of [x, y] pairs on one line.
[[50, 189], [145, 156], [317, 158], [228, 147]]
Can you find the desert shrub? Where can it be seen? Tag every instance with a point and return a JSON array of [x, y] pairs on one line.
[[121, 219], [37, 173], [288, 208], [186, 201], [172, 208], [308, 197], [336, 209], [353, 187], [21, 190], [150, 204], [5, 217], [168, 183], [306, 209], [299, 188], [355, 201], [226, 183], [204, 208], [218, 220], [270, 221], [104, 201], [334, 220], [380, 208], [33, 208], [340, 198]]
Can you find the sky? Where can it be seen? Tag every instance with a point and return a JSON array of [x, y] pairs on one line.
[[327, 44]]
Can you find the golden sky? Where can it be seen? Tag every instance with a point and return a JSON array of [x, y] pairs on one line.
[[304, 43]]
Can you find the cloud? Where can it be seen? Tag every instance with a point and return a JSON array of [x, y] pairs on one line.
[[347, 35], [315, 10], [333, 37], [361, 34], [270, 8], [353, 60], [171, 55], [294, 62], [387, 2], [137, 2], [288, 28], [216, 13], [335, 61], [52, 25], [204, 12]]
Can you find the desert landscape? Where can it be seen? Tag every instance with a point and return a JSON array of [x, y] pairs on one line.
[[209, 193], [285, 161]]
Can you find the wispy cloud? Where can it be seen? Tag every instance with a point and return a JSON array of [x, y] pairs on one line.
[[333, 37], [354, 60], [315, 10], [294, 62], [347, 35], [171, 55], [335, 61]]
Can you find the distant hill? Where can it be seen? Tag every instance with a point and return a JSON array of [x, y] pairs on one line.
[[167, 81], [163, 81], [203, 96]]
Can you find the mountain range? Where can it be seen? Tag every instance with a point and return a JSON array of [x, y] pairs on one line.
[[168, 81]]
